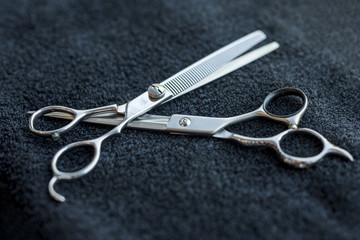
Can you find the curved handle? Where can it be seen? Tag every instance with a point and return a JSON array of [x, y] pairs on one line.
[[291, 119], [299, 162], [58, 175], [302, 162], [133, 109], [78, 116], [95, 143]]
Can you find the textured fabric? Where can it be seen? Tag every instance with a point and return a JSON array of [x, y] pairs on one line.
[[151, 185]]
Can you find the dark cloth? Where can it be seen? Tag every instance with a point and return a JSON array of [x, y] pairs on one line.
[[152, 185]]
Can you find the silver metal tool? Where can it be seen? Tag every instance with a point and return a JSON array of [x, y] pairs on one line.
[[215, 127], [218, 63]]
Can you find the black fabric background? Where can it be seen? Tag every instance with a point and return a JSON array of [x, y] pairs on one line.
[[151, 185]]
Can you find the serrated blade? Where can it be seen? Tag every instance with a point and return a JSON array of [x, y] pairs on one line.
[[196, 72]]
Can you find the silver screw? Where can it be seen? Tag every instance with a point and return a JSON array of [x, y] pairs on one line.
[[292, 126], [184, 122], [156, 91]]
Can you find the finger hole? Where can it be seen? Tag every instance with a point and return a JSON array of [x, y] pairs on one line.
[[75, 158], [258, 128], [51, 110], [301, 144], [46, 122], [284, 102]]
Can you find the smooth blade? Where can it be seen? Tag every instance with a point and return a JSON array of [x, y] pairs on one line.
[[198, 71]]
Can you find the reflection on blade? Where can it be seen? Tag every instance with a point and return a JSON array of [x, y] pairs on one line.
[[147, 121]]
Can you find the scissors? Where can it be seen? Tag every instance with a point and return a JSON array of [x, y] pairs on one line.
[[210, 68], [215, 127]]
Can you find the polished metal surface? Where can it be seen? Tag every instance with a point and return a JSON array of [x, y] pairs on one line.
[[193, 76]]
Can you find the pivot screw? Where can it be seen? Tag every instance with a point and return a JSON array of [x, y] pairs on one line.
[[156, 91], [292, 126], [184, 122]]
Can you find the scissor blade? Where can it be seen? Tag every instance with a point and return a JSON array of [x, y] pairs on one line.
[[235, 64], [146, 121], [198, 71], [184, 77]]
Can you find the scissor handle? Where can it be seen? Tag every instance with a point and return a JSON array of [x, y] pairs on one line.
[[95, 144], [58, 175], [291, 119], [78, 116], [299, 162]]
